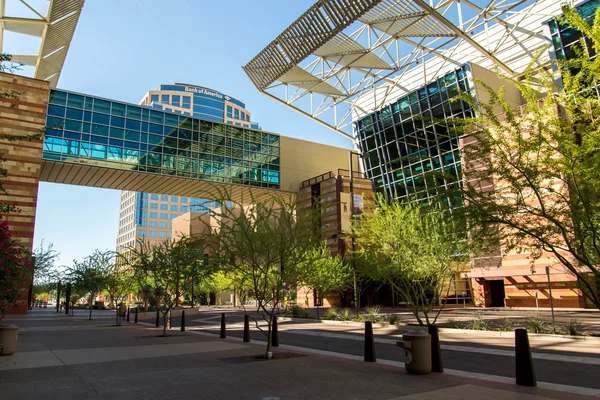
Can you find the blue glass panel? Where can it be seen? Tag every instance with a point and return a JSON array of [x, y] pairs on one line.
[[118, 109], [100, 119], [171, 120], [131, 145], [115, 142], [154, 97], [54, 122], [133, 125], [98, 151], [98, 139], [56, 111], [74, 114], [117, 133], [117, 121], [73, 125], [115, 153], [69, 135], [87, 116], [85, 149]]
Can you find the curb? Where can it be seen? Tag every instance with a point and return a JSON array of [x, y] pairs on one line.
[[327, 321], [541, 336]]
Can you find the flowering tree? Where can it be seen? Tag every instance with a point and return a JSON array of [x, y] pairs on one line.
[[15, 270]]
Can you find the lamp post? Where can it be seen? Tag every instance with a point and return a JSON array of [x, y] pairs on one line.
[[356, 297]]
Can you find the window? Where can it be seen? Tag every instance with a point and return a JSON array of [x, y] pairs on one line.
[[153, 215], [154, 206], [173, 208], [162, 234], [142, 233], [173, 216], [185, 102], [154, 98], [183, 199], [183, 209], [153, 224], [174, 199], [164, 216], [229, 111], [164, 99], [163, 225], [164, 197], [176, 101], [153, 233], [164, 207], [236, 114], [242, 115]]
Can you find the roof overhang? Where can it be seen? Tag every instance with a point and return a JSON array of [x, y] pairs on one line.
[[54, 26], [339, 52]]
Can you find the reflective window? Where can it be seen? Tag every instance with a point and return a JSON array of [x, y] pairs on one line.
[[164, 207], [154, 98], [173, 216], [183, 209], [164, 216], [174, 199], [141, 232], [154, 206], [162, 234], [174, 207], [176, 101], [153, 224], [164, 197], [152, 233], [183, 199], [153, 215], [163, 225], [164, 99]]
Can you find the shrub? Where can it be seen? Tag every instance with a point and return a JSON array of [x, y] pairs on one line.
[[373, 314], [393, 319], [345, 315], [478, 324], [507, 325], [296, 311], [331, 314], [537, 324], [573, 328], [453, 324]]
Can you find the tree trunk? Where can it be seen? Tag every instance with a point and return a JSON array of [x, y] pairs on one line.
[[117, 313], [317, 310], [165, 318], [269, 334]]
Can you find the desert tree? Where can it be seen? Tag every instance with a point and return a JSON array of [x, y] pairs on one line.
[[119, 282], [90, 273], [532, 175], [168, 268], [416, 248], [264, 241]]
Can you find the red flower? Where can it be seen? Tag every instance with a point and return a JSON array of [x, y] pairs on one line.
[[6, 271]]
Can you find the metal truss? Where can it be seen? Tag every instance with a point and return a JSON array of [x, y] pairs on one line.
[[343, 59], [52, 21]]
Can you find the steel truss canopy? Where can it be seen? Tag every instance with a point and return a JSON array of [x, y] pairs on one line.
[[52, 21], [343, 59]]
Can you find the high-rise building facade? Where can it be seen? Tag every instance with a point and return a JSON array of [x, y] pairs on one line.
[[149, 215]]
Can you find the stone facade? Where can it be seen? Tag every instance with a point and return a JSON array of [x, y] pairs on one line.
[[25, 113]]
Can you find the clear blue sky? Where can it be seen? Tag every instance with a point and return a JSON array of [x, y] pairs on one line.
[[122, 49]]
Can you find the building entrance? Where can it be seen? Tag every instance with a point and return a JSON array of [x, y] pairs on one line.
[[497, 293]]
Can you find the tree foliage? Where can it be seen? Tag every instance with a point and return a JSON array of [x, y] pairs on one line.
[[264, 243], [322, 273], [412, 247], [532, 176], [168, 268]]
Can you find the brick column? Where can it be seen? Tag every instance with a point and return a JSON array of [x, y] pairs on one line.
[[25, 114]]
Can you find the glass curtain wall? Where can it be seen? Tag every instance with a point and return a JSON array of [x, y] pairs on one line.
[[85, 129], [404, 143]]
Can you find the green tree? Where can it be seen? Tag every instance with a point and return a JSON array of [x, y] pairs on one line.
[[44, 259], [532, 176], [168, 268], [90, 274], [264, 243], [413, 248], [322, 273], [120, 281]]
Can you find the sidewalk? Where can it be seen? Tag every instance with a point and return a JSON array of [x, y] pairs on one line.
[[60, 357]]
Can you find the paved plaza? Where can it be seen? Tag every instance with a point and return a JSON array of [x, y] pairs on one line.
[[69, 357]]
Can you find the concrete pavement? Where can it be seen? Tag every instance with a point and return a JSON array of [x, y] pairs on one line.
[[62, 357]]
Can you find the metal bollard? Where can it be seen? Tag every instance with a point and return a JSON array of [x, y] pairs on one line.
[[524, 371], [369, 342], [135, 320], [223, 330], [157, 318], [128, 312], [275, 334], [183, 320], [246, 328]]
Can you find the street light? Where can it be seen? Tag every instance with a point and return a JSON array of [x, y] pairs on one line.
[[363, 156]]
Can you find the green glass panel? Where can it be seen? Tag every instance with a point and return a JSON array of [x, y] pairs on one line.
[[102, 106], [88, 103], [157, 117], [58, 98], [75, 101], [118, 109], [134, 112]]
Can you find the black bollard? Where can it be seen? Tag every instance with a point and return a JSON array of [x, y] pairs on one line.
[[58, 296], [182, 320], [369, 342], [128, 312], [136, 316], [246, 328], [157, 317], [68, 299], [223, 331], [275, 334], [437, 364], [524, 363]]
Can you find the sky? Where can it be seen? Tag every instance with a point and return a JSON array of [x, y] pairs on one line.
[[123, 48]]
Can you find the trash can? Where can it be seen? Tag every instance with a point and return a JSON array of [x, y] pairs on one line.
[[417, 352]]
